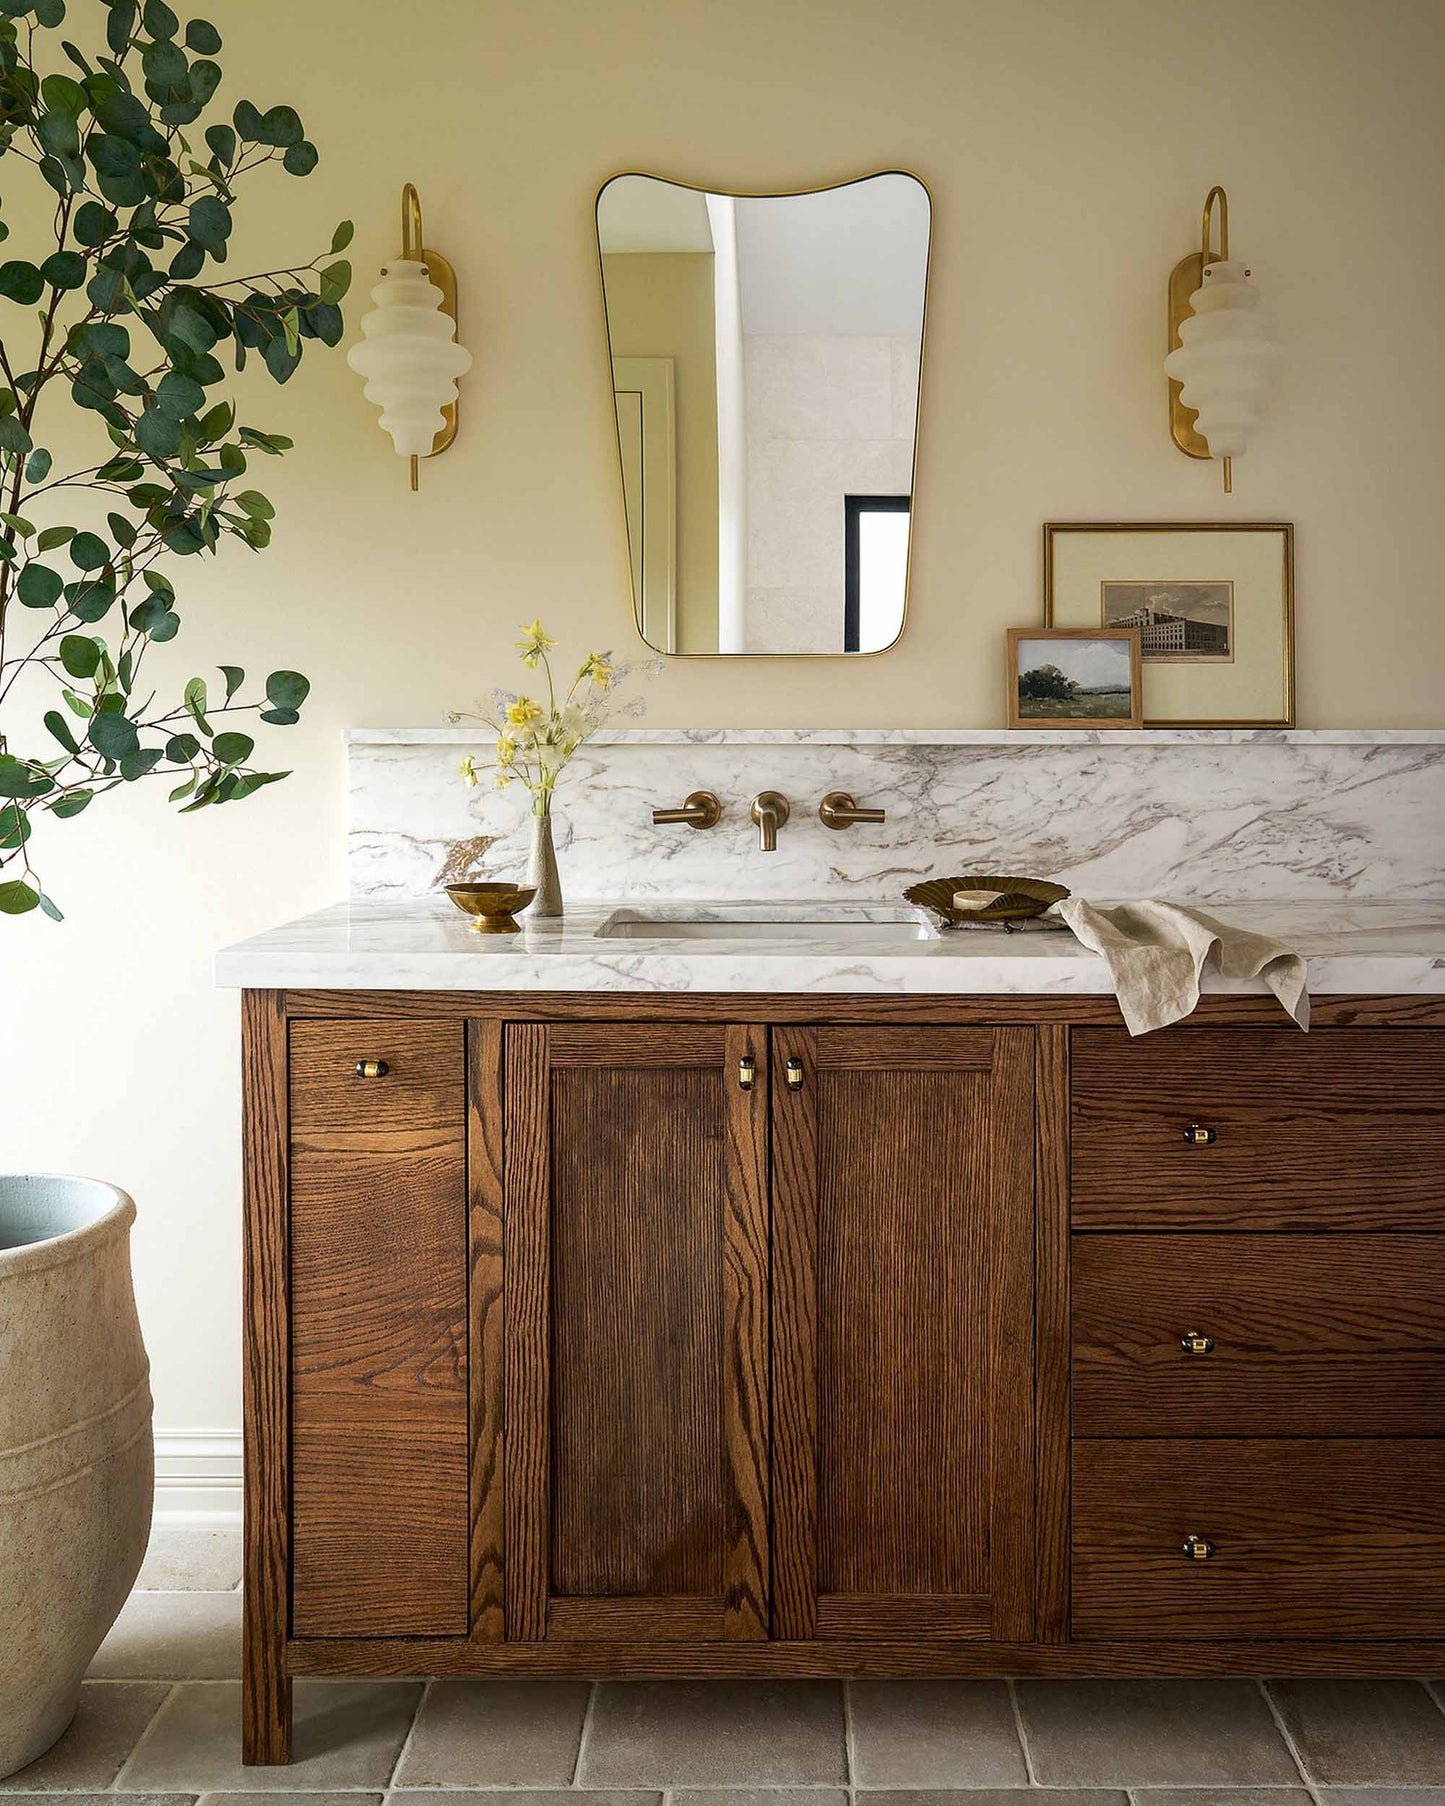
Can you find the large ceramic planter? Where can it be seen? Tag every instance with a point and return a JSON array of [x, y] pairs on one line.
[[76, 1464]]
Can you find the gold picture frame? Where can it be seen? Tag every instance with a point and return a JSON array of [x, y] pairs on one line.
[[1223, 651], [1049, 711]]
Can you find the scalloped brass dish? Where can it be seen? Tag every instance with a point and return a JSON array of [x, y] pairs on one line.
[[492, 905], [1018, 899]]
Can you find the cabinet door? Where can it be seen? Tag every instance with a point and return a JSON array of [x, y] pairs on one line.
[[378, 1329], [903, 1332], [636, 1328]]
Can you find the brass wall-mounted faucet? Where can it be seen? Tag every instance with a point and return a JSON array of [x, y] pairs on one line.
[[700, 810], [838, 810], [770, 810]]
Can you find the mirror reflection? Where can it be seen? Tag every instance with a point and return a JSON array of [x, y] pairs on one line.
[[765, 362]]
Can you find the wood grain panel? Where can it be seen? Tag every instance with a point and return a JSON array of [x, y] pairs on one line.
[[527, 1381], [486, 1105], [746, 1427], [662, 1044], [638, 1618], [422, 1091], [637, 1185], [265, 1685], [379, 1414], [1316, 1538], [903, 1298], [878, 1657], [795, 1339], [843, 1615], [1314, 1335], [1337, 1130], [778, 1007], [1051, 1332], [918, 1048]]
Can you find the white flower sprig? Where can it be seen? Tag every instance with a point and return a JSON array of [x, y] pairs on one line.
[[535, 740]]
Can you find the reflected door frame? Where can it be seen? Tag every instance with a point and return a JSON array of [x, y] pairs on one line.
[[645, 390], [854, 508]]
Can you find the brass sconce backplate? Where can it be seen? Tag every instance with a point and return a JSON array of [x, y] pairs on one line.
[[445, 278], [1184, 279]]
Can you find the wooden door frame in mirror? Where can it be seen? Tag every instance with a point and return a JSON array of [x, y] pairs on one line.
[[764, 194]]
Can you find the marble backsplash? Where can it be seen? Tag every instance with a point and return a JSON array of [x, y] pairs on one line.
[[1208, 817]]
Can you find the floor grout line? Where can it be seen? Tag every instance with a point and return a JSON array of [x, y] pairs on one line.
[[172, 1688], [850, 1746], [1020, 1733], [582, 1735], [406, 1741], [1272, 1708]]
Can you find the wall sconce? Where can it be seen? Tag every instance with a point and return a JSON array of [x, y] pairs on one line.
[[1221, 357], [409, 354]]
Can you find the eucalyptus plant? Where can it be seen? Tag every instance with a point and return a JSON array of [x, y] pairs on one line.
[[123, 311]]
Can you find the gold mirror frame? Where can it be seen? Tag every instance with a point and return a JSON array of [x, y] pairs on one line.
[[764, 194]]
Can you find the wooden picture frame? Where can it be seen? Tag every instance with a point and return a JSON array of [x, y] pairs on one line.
[[1106, 715], [1218, 646]]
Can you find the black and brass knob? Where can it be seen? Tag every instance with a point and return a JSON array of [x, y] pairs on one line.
[[793, 1075], [747, 1072], [372, 1069], [1198, 1548], [1193, 1343], [1198, 1136]]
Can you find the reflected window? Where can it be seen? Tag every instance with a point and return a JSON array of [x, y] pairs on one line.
[[875, 570]]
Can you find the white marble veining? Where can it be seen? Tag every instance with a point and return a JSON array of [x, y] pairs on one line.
[[425, 944], [1202, 817]]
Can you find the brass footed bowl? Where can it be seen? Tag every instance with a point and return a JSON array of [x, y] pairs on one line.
[[1018, 901], [492, 906]]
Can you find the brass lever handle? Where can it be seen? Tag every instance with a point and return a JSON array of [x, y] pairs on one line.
[[747, 1072], [1192, 1343], [838, 810], [793, 1075], [372, 1069], [700, 810], [1198, 1136], [1198, 1548]]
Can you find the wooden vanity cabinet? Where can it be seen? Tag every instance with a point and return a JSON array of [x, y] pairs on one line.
[[809, 1336]]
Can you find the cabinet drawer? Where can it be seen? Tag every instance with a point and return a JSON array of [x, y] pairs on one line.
[[1331, 1538], [1312, 1335], [419, 1091], [1337, 1130]]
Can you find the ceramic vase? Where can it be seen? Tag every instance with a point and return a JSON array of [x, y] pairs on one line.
[[76, 1462], [542, 869]]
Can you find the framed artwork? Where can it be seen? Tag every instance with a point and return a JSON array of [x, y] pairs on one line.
[[1068, 677], [1213, 604]]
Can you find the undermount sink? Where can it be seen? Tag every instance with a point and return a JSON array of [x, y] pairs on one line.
[[877, 925]]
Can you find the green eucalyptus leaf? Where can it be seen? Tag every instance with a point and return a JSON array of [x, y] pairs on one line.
[[38, 585], [158, 20], [71, 803], [247, 121], [188, 261], [49, 13], [195, 701], [57, 131], [14, 827], [120, 25], [62, 93], [60, 728], [235, 676], [17, 897], [37, 467], [221, 142], [232, 748], [281, 126], [89, 551], [21, 281], [287, 689], [301, 159], [90, 601], [138, 764], [182, 748], [93, 224], [202, 37], [252, 502], [112, 735], [80, 655], [55, 536], [13, 436], [177, 396], [342, 236], [209, 222], [51, 909], [157, 434], [64, 269], [335, 280]]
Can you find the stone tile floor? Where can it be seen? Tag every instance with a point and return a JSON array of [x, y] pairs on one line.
[[159, 1726]]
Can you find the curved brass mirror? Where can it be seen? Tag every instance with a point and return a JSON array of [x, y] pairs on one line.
[[766, 353]]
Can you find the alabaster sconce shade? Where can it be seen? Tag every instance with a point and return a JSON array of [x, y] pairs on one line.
[[408, 353], [1221, 369]]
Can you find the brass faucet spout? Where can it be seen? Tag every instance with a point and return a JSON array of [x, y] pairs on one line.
[[770, 810]]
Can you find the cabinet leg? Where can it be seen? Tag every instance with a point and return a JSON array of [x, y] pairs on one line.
[[265, 1717]]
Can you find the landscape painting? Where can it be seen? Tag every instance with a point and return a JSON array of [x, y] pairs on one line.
[[1060, 678], [1179, 623]]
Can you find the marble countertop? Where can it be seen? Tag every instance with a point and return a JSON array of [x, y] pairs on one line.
[[424, 944]]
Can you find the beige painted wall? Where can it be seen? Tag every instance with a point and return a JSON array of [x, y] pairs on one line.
[[659, 304], [1068, 144]]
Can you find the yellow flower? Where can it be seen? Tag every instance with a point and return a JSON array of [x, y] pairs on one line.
[[506, 752], [599, 668], [468, 769], [534, 642], [523, 712]]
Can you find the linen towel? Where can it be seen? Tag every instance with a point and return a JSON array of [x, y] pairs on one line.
[[1156, 952]]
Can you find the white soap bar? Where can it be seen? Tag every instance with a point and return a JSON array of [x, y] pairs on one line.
[[970, 900]]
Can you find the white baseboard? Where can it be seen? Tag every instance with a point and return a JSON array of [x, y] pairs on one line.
[[198, 1479]]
